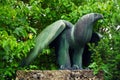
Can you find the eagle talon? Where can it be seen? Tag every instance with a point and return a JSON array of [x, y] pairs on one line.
[[76, 67], [62, 67]]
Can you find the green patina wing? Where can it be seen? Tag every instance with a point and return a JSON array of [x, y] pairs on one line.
[[45, 38]]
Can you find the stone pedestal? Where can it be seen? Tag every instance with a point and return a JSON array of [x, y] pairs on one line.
[[58, 75]]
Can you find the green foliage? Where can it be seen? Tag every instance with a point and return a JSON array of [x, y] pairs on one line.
[[106, 54], [21, 21], [15, 41]]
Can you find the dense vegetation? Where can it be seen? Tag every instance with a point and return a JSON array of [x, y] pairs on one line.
[[22, 20]]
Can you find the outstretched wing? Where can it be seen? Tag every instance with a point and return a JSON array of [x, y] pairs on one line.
[[45, 38]]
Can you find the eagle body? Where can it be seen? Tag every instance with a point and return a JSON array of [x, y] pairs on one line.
[[70, 40]]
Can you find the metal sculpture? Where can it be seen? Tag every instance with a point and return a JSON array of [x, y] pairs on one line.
[[71, 40]]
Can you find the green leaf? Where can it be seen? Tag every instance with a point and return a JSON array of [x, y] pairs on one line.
[[31, 30]]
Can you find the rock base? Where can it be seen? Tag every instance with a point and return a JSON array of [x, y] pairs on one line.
[[58, 75]]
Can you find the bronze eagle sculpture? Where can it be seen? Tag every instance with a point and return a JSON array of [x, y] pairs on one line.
[[70, 40]]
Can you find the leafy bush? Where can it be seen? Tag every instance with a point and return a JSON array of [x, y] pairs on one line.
[[106, 55], [20, 21], [15, 40]]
